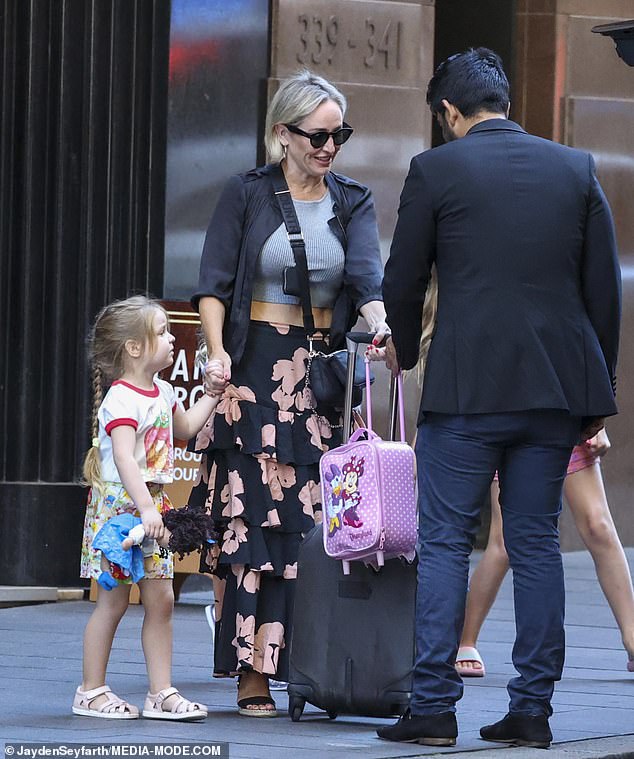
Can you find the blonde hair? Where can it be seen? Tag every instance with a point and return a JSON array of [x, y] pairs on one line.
[[296, 98], [115, 325], [430, 307]]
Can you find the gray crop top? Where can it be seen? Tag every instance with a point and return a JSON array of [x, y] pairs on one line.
[[324, 254]]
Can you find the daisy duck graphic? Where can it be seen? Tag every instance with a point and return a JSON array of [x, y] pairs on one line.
[[334, 478], [352, 470]]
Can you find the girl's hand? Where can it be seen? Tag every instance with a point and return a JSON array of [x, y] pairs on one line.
[[152, 524], [215, 381], [600, 444], [593, 425], [224, 359]]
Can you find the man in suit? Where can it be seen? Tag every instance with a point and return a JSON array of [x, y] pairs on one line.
[[521, 366]]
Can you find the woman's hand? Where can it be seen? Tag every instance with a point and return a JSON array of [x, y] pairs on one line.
[[374, 314], [219, 358], [215, 381], [382, 331], [600, 444]]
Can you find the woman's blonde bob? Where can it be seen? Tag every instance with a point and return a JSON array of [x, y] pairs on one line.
[[296, 98]]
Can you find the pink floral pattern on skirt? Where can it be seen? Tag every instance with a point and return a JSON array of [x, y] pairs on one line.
[[259, 479]]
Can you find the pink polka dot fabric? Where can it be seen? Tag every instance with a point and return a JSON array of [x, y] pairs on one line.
[[369, 498]]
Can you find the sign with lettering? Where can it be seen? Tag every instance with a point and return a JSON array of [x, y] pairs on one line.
[[186, 377], [364, 42]]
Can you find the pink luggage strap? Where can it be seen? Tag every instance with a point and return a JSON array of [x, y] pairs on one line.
[[368, 403]]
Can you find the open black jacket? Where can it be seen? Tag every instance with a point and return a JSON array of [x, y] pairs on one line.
[[528, 277], [247, 214]]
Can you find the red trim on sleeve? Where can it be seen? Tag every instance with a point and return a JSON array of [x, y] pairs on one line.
[[174, 407], [121, 423], [148, 393]]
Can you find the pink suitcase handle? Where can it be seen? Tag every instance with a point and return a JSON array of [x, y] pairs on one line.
[[368, 400], [365, 432]]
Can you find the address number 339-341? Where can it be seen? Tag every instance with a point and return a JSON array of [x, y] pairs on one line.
[[325, 39]]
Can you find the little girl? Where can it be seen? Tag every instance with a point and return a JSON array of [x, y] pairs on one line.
[[131, 459]]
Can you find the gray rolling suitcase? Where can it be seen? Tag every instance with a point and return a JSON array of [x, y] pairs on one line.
[[352, 644]]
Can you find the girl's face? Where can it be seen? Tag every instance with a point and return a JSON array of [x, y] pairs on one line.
[[162, 355], [307, 160]]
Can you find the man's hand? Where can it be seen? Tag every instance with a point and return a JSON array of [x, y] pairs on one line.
[[390, 357], [592, 425]]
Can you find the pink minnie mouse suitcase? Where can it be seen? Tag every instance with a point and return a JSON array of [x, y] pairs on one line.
[[368, 488]]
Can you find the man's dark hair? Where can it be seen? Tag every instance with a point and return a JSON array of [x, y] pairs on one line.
[[473, 81]]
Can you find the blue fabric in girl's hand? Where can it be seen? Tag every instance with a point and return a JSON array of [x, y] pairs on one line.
[[109, 538], [107, 581]]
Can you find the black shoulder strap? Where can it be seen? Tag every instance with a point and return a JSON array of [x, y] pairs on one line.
[[296, 239]]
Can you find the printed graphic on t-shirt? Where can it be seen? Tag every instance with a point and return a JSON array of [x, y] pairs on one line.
[[159, 453]]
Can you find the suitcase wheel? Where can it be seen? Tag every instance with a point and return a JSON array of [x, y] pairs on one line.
[[296, 707], [332, 714]]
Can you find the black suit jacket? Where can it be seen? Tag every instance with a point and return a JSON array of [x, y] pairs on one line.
[[529, 282]]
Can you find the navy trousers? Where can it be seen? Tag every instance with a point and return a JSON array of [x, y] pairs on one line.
[[457, 457]]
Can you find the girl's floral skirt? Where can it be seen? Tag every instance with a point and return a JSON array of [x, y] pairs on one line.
[[114, 500], [259, 478]]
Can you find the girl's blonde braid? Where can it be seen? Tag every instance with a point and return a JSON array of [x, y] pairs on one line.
[[92, 463]]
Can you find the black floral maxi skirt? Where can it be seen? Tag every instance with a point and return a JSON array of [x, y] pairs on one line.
[[259, 478]]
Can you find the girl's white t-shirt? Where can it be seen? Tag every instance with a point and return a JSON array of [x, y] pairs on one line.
[[150, 413]]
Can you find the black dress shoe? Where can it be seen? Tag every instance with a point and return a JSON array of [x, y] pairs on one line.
[[427, 729], [520, 730]]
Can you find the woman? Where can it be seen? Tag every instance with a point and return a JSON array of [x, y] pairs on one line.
[[259, 473]]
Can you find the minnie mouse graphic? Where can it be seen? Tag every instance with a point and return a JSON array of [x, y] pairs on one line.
[[351, 471]]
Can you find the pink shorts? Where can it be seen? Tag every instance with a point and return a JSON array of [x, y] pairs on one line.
[[581, 459]]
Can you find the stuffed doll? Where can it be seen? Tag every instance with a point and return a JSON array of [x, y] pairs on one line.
[[123, 544]]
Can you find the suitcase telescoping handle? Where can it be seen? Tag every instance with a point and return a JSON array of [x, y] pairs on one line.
[[353, 340]]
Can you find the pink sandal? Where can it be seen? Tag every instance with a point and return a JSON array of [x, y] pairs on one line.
[[113, 708], [182, 709]]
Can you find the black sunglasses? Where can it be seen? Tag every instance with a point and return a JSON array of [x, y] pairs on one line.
[[319, 139]]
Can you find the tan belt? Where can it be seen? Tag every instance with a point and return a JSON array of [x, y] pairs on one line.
[[285, 313]]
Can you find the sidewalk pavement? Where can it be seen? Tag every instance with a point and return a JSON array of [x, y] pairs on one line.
[[40, 667]]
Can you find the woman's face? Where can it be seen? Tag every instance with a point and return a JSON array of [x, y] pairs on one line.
[[300, 154]]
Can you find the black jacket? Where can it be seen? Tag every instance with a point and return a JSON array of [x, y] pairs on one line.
[[247, 214], [529, 281]]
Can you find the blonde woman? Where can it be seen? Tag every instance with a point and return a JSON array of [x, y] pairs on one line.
[[259, 475]]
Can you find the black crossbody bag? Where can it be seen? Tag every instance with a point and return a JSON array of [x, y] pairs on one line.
[[325, 372]]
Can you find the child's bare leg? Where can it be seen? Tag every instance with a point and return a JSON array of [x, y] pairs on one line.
[[586, 497], [158, 601], [486, 579], [157, 596], [99, 634]]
